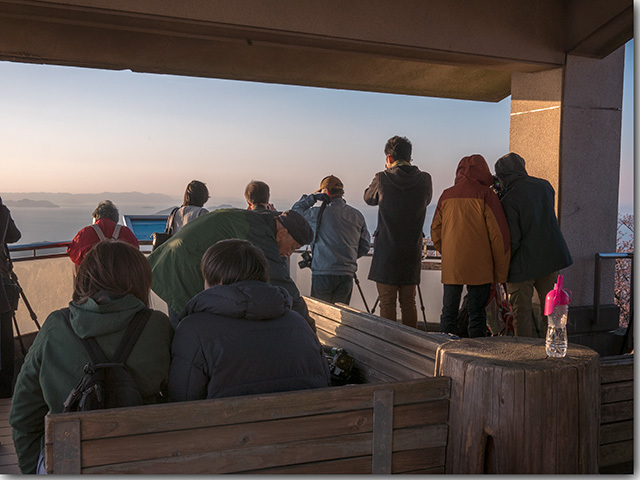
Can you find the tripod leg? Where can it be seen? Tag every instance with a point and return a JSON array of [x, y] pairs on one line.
[[375, 305], [424, 315], [364, 300], [15, 324]]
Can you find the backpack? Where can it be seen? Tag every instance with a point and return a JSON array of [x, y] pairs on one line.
[[101, 235], [107, 383]]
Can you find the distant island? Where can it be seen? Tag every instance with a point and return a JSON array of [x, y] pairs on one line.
[[26, 203]]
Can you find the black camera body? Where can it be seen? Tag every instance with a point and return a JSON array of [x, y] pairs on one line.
[[306, 259]]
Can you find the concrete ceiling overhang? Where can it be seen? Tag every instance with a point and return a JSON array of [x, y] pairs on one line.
[[462, 49]]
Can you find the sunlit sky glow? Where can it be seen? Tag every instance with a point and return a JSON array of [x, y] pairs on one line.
[[65, 129]]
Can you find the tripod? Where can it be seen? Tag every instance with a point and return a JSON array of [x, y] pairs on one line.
[[32, 313]]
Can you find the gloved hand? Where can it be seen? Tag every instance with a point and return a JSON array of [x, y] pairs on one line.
[[322, 197]]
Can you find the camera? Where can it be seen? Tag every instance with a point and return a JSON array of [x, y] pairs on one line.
[[306, 259], [497, 187]]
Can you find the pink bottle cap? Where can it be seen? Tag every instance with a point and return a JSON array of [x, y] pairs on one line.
[[557, 296]]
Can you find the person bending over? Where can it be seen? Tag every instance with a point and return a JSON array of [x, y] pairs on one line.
[[112, 285], [239, 335]]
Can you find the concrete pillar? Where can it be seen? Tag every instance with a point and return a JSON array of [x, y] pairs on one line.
[[566, 124]]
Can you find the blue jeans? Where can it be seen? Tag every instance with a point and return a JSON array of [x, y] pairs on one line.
[[332, 288], [477, 298]]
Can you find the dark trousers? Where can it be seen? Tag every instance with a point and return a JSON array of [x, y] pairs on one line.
[[332, 288], [477, 298]]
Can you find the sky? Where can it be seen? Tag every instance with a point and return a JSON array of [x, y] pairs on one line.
[[66, 129]]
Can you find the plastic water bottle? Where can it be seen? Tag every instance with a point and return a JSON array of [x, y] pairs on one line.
[[556, 307]]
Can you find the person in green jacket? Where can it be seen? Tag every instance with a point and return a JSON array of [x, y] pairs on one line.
[[176, 263], [112, 285]]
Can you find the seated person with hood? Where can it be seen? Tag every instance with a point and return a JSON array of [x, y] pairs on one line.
[[112, 286], [239, 335], [105, 225]]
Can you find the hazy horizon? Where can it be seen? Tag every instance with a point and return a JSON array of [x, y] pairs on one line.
[[91, 130]]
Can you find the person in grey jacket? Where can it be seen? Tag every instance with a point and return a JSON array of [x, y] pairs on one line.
[[240, 335], [402, 193], [538, 249], [342, 238]]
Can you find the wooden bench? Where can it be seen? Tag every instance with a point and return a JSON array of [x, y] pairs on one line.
[[616, 411], [398, 427], [384, 350]]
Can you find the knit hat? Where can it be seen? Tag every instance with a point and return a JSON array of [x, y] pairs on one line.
[[297, 226]]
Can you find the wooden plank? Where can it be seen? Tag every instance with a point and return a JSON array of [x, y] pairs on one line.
[[420, 459], [382, 328], [615, 453], [382, 432], [409, 359], [343, 466], [616, 412], [616, 432], [616, 392], [245, 460], [8, 459], [66, 448], [249, 459], [425, 436], [371, 364], [227, 437], [421, 414], [227, 411], [619, 371]]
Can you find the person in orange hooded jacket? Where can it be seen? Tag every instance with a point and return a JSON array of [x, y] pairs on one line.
[[470, 231]]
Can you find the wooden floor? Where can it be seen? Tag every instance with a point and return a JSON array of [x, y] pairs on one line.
[[8, 458]]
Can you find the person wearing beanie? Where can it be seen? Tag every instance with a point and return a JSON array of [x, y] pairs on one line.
[[538, 249], [340, 238], [470, 231], [176, 263], [402, 193]]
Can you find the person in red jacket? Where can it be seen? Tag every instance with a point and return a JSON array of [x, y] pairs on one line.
[[105, 225], [470, 231]]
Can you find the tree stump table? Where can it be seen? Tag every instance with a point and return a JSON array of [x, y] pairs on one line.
[[515, 411]]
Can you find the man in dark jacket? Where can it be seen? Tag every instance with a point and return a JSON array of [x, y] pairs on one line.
[[239, 335], [176, 263], [9, 233], [402, 193], [538, 249]]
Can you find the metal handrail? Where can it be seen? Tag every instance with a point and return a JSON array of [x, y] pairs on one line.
[[597, 281], [34, 248]]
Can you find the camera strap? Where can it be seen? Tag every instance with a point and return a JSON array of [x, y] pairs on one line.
[[320, 213]]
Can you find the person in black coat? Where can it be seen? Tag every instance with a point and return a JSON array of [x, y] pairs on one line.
[[239, 335], [538, 249], [402, 193], [9, 294]]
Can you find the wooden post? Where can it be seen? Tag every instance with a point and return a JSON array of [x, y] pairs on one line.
[[382, 444], [515, 411], [66, 449]]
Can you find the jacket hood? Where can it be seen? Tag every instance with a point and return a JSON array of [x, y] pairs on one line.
[[475, 168], [509, 168], [403, 176], [90, 319], [252, 300]]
